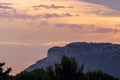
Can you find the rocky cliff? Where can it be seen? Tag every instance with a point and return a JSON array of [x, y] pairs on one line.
[[103, 56]]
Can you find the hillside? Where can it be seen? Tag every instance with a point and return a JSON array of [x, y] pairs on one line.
[[103, 56]]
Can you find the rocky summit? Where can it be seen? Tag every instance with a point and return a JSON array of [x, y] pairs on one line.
[[95, 56]]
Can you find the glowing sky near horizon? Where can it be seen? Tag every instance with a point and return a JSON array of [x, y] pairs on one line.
[[29, 28]]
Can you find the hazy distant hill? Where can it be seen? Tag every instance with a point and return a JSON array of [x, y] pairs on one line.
[[103, 56]]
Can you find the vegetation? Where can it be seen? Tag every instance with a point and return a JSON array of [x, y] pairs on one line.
[[66, 70], [4, 75]]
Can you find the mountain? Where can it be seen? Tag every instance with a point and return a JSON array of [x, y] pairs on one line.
[[103, 56]]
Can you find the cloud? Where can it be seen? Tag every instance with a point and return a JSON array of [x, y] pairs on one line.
[[106, 30], [15, 43], [87, 7], [55, 43], [87, 28], [9, 12], [5, 3], [7, 8], [104, 12], [113, 4], [52, 6], [17, 16], [79, 28], [30, 44], [32, 17], [67, 14], [48, 15]]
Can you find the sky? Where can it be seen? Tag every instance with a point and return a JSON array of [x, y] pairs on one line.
[[29, 28]]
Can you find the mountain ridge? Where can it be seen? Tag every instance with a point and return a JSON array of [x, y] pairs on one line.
[[103, 56]]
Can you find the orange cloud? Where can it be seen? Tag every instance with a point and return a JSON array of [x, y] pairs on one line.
[[55, 43]]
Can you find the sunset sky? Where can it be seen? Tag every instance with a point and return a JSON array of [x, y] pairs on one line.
[[29, 27]]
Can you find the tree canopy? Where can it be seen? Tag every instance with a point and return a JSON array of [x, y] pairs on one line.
[[67, 69]]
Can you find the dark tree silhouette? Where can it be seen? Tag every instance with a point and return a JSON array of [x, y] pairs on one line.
[[4, 74], [67, 69]]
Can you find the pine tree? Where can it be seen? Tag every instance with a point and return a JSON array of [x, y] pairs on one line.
[[66, 70]]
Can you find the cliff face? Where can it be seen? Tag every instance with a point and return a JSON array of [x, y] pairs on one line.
[[103, 56]]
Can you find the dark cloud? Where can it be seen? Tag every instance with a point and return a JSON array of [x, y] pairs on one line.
[[16, 16], [52, 15], [106, 13], [101, 11], [113, 4], [108, 7], [67, 14], [32, 17], [6, 4], [52, 6], [87, 28], [106, 30], [9, 12], [7, 8], [79, 28], [47, 15]]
